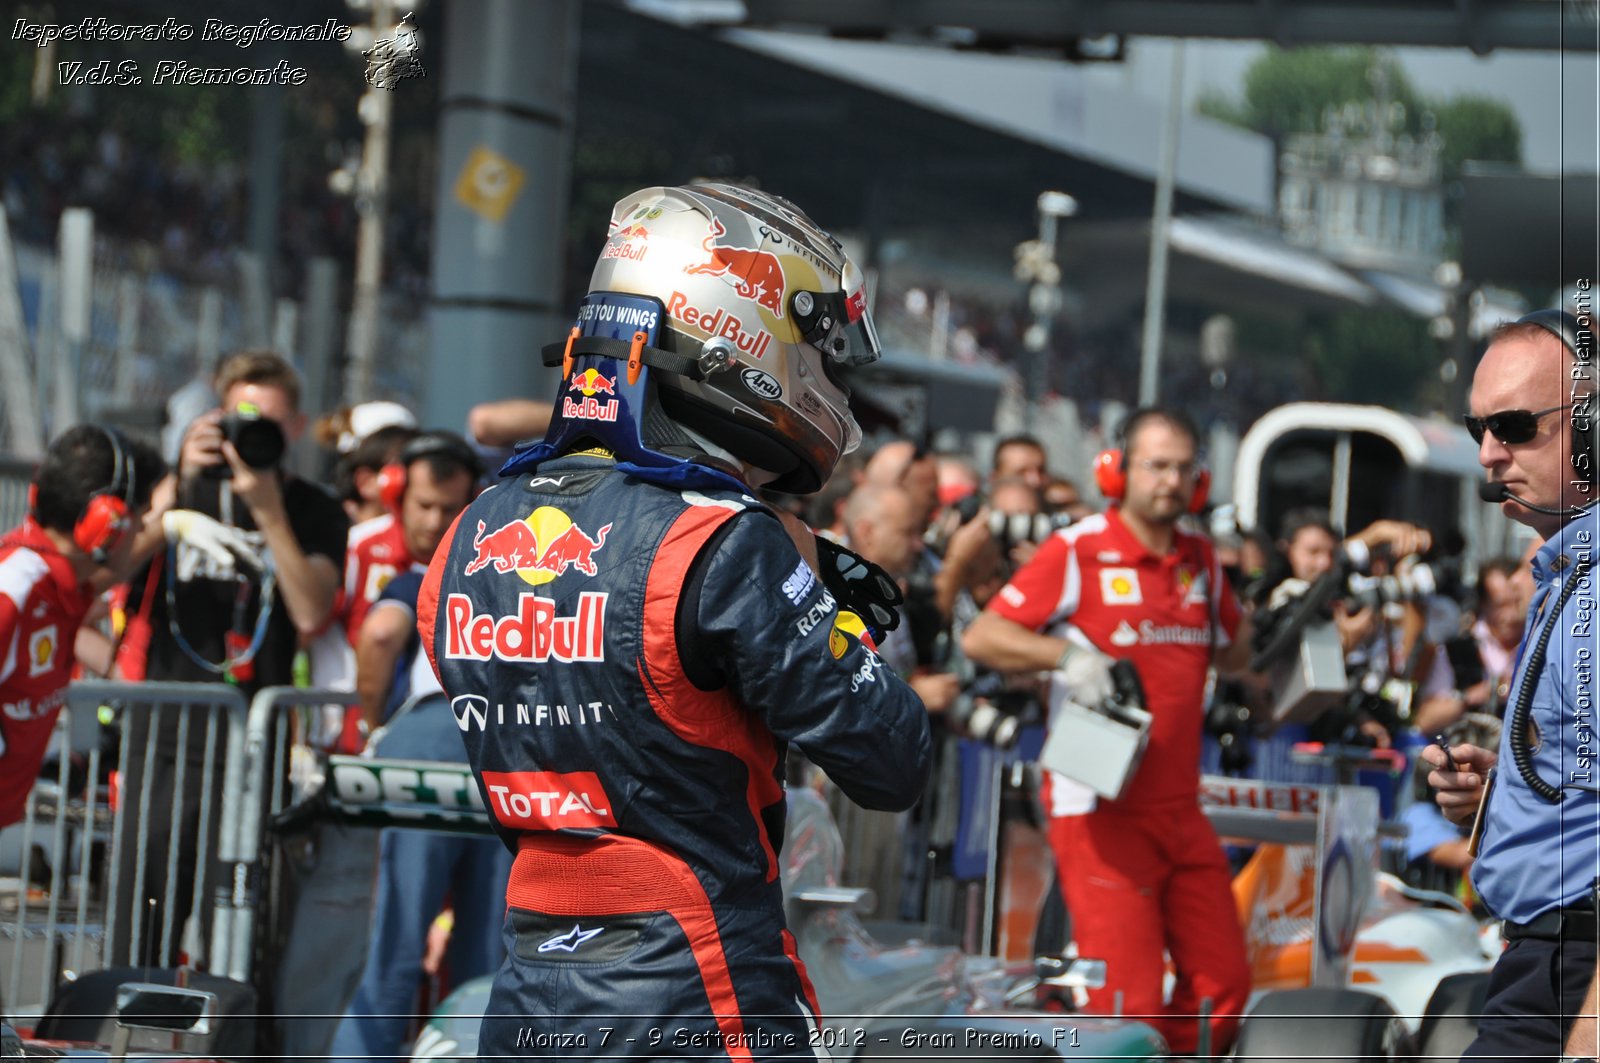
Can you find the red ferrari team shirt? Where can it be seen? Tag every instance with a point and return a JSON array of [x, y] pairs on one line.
[[377, 554], [41, 608], [1095, 581]]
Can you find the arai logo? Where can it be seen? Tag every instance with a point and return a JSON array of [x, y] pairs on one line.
[[761, 384]]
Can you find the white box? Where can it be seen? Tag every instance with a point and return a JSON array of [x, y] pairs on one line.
[[1313, 680], [1100, 750]]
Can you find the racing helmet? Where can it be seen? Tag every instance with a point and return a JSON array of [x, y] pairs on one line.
[[765, 304]]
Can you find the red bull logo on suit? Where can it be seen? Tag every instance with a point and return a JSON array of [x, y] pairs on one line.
[[538, 548], [534, 633]]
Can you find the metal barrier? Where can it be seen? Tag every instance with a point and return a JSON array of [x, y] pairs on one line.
[[121, 845], [272, 765]]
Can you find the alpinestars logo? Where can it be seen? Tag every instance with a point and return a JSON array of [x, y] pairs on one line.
[[570, 941]]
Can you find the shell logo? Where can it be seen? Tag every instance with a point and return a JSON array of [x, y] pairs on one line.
[[42, 650], [1120, 586]]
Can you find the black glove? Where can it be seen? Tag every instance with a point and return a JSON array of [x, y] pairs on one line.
[[861, 587]]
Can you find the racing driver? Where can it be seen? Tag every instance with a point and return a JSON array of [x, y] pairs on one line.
[[631, 640]]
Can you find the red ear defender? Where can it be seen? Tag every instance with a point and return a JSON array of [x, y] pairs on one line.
[[392, 486], [1202, 489], [100, 528], [1109, 475], [33, 499]]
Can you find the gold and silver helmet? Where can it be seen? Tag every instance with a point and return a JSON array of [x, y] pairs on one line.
[[768, 306]]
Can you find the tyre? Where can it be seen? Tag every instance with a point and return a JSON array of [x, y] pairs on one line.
[[1451, 1020], [1331, 1024]]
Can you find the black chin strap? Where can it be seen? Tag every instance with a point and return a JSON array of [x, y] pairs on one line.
[[555, 354]]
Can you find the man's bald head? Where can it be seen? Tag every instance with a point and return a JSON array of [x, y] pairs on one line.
[[882, 523], [901, 463]]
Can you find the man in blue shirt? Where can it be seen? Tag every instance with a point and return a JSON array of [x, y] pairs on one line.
[[1533, 416]]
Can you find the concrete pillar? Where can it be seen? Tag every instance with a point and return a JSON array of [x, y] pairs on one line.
[[505, 161]]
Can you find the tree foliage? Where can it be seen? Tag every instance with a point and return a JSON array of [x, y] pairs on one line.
[[1292, 91]]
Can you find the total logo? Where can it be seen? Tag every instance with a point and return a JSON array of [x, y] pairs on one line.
[[548, 800], [757, 274], [589, 383], [538, 548], [533, 633], [752, 340]]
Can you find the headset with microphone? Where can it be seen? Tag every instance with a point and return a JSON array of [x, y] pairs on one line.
[[107, 515]]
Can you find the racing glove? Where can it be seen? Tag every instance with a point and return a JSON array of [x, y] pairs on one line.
[[860, 586], [223, 544], [1086, 674]]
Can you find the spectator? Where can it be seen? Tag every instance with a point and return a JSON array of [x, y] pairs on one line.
[[1022, 457], [1502, 607], [912, 467], [410, 718], [1063, 500], [884, 529], [225, 620], [90, 494], [957, 479]]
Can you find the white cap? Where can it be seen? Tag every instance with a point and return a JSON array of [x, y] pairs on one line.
[[369, 417]]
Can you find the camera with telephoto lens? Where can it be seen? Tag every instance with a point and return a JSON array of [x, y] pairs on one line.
[[1412, 583], [989, 712], [1297, 642], [259, 440]]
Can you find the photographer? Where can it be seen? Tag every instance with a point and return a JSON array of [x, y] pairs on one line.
[[236, 614], [1378, 648]]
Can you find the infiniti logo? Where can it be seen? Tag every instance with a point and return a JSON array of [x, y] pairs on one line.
[[468, 708], [476, 711]]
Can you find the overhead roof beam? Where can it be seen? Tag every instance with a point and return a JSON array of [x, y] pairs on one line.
[[1480, 25]]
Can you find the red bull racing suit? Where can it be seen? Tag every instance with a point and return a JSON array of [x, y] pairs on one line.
[[627, 661]]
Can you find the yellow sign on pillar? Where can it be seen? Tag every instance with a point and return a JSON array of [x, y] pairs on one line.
[[489, 183]]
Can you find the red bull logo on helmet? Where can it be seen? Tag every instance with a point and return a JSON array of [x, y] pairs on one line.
[[631, 242], [751, 340], [534, 634], [756, 274], [590, 382], [538, 548]]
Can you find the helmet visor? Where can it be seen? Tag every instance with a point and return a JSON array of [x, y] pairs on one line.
[[839, 325]]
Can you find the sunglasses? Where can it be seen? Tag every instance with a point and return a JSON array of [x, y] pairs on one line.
[[1509, 426]]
